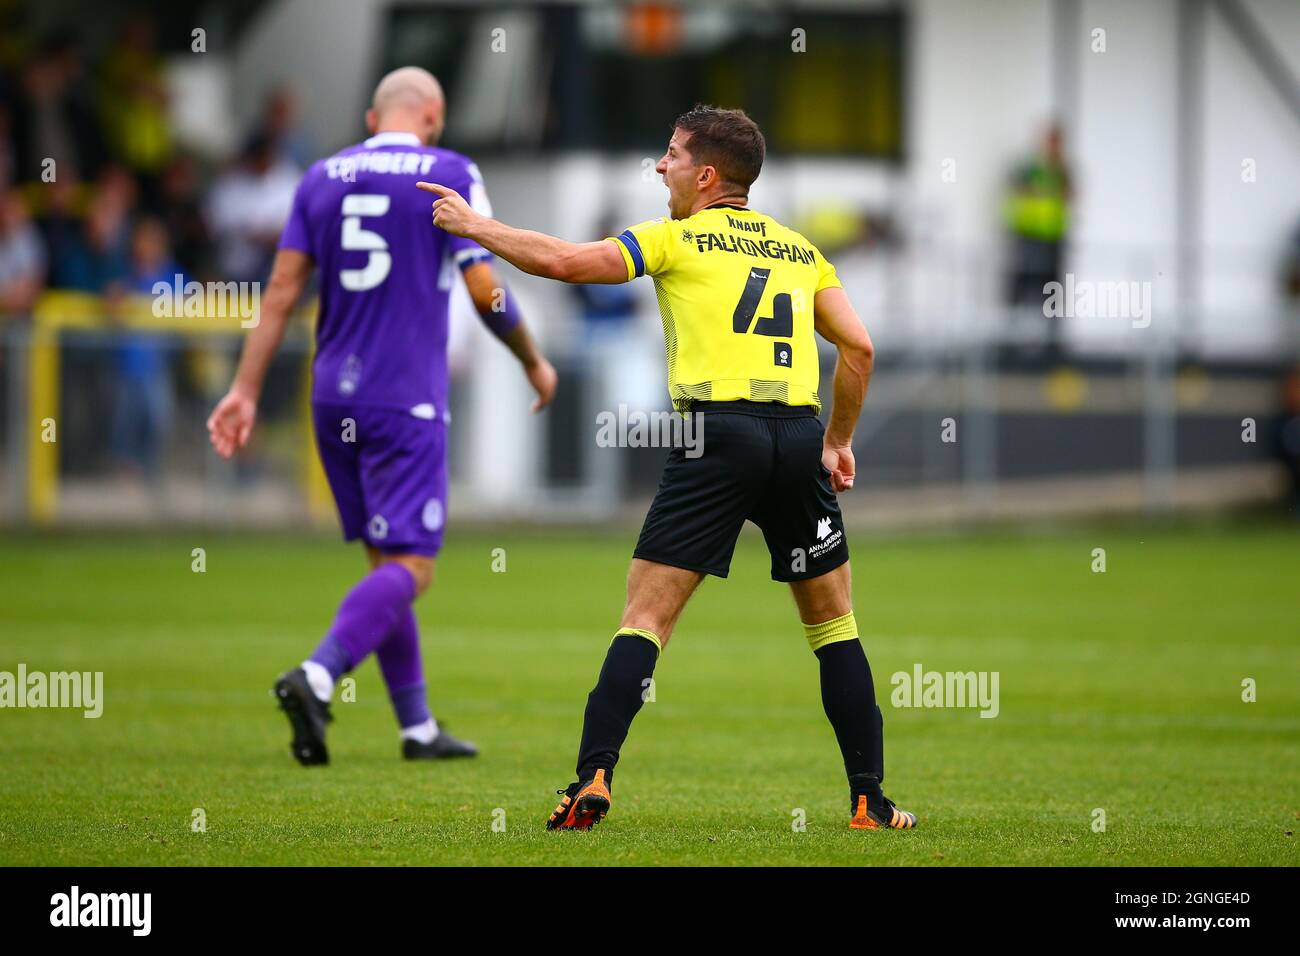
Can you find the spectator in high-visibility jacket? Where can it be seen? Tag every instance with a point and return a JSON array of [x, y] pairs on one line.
[[1036, 211]]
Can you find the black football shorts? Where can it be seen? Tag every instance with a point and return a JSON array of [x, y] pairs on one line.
[[757, 461]]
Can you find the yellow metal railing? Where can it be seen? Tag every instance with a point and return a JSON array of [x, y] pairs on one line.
[[57, 312]]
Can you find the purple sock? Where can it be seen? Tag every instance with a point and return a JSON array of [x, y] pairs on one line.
[[399, 661], [369, 614], [333, 656]]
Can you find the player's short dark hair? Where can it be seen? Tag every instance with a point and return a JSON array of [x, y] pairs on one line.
[[727, 140]]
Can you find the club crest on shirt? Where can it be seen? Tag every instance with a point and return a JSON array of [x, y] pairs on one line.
[[350, 375]]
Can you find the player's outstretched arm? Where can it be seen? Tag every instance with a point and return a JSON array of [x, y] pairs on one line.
[[838, 323], [499, 313], [231, 423], [533, 252]]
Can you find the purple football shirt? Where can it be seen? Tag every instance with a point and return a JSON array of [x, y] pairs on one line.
[[386, 272]]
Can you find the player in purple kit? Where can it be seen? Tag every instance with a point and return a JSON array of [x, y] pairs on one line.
[[379, 392]]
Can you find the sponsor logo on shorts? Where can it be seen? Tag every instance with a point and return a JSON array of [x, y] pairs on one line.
[[827, 539], [433, 515], [379, 527]]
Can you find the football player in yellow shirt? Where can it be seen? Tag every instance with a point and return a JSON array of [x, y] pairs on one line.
[[742, 298]]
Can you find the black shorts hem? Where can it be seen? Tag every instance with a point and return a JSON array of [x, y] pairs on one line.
[[685, 566], [809, 575]]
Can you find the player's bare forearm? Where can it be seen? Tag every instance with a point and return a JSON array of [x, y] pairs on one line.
[[540, 373], [259, 350], [533, 252], [289, 277], [500, 314], [230, 426], [852, 378], [522, 346], [548, 256], [499, 311], [838, 323]]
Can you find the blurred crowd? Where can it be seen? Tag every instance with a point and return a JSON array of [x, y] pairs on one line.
[[93, 180], [97, 195]]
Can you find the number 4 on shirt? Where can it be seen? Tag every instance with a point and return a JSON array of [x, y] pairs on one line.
[[778, 325]]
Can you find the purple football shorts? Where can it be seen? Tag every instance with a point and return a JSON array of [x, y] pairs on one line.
[[387, 469]]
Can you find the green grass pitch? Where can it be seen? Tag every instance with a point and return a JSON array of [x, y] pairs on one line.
[[1120, 691]]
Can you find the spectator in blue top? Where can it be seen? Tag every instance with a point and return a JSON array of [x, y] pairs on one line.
[[142, 375]]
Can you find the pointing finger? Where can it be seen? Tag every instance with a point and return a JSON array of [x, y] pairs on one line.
[[438, 188]]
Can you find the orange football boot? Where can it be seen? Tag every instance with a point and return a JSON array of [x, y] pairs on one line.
[[879, 814], [584, 804], [871, 809]]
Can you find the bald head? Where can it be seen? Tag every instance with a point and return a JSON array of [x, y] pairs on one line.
[[409, 99]]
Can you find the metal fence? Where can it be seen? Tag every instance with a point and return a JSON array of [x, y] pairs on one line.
[[984, 424]]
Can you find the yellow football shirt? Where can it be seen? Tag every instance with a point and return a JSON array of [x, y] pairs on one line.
[[735, 290]]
